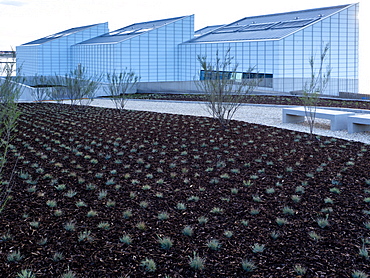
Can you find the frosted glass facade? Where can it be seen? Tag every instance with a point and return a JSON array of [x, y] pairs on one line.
[[52, 55], [287, 58], [278, 48], [152, 55]]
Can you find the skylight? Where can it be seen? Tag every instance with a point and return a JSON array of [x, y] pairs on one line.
[[294, 23]]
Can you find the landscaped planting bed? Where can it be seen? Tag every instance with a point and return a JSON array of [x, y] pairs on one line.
[[107, 193], [264, 99]]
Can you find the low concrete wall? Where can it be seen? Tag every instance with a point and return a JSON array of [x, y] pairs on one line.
[[168, 87], [188, 87]]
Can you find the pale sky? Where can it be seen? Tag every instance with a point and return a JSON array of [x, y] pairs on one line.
[[22, 21]]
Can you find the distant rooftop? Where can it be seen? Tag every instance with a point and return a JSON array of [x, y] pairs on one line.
[[59, 35], [267, 27], [130, 31]]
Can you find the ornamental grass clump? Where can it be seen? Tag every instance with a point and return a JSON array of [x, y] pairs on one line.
[[363, 252], [14, 256], [214, 244], [141, 225], [126, 239], [104, 225], [314, 236], [288, 211], [85, 236], [165, 242], [323, 222], [196, 262], [181, 206], [149, 265], [188, 231], [281, 221], [359, 274], [25, 273], [248, 265], [202, 220], [127, 214], [258, 248], [68, 274], [217, 210], [92, 213], [70, 226], [299, 270], [57, 257]]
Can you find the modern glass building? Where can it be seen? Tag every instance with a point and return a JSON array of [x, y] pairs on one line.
[[53, 54], [148, 48], [277, 46]]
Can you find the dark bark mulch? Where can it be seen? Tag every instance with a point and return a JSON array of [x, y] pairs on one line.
[[360, 103], [240, 179]]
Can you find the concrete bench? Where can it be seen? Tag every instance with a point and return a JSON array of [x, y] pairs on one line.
[[359, 123], [338, 118]]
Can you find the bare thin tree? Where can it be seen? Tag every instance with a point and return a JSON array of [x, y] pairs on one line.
[[224, 92], [10, 91], [319, 79], [119, 85], [76, 86]]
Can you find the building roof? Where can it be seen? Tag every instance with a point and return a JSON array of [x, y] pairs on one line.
[[267, 27], [206, 30], [60, 34], [130, 31]]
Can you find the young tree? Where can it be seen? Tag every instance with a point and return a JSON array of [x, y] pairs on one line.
[[10, 91], [42, 87], [119, 85], [75, 86], [223, 91], [319, 79]]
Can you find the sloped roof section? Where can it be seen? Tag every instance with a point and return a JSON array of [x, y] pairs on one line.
[[60, 34], [206, 30], [130, 31], [267, 27]]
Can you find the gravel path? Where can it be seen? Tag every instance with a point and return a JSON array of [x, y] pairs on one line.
[[261, 114]]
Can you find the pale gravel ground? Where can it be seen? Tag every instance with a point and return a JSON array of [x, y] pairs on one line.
[[260, 114]]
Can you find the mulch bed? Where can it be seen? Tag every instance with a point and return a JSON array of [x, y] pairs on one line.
[[239, 179]]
